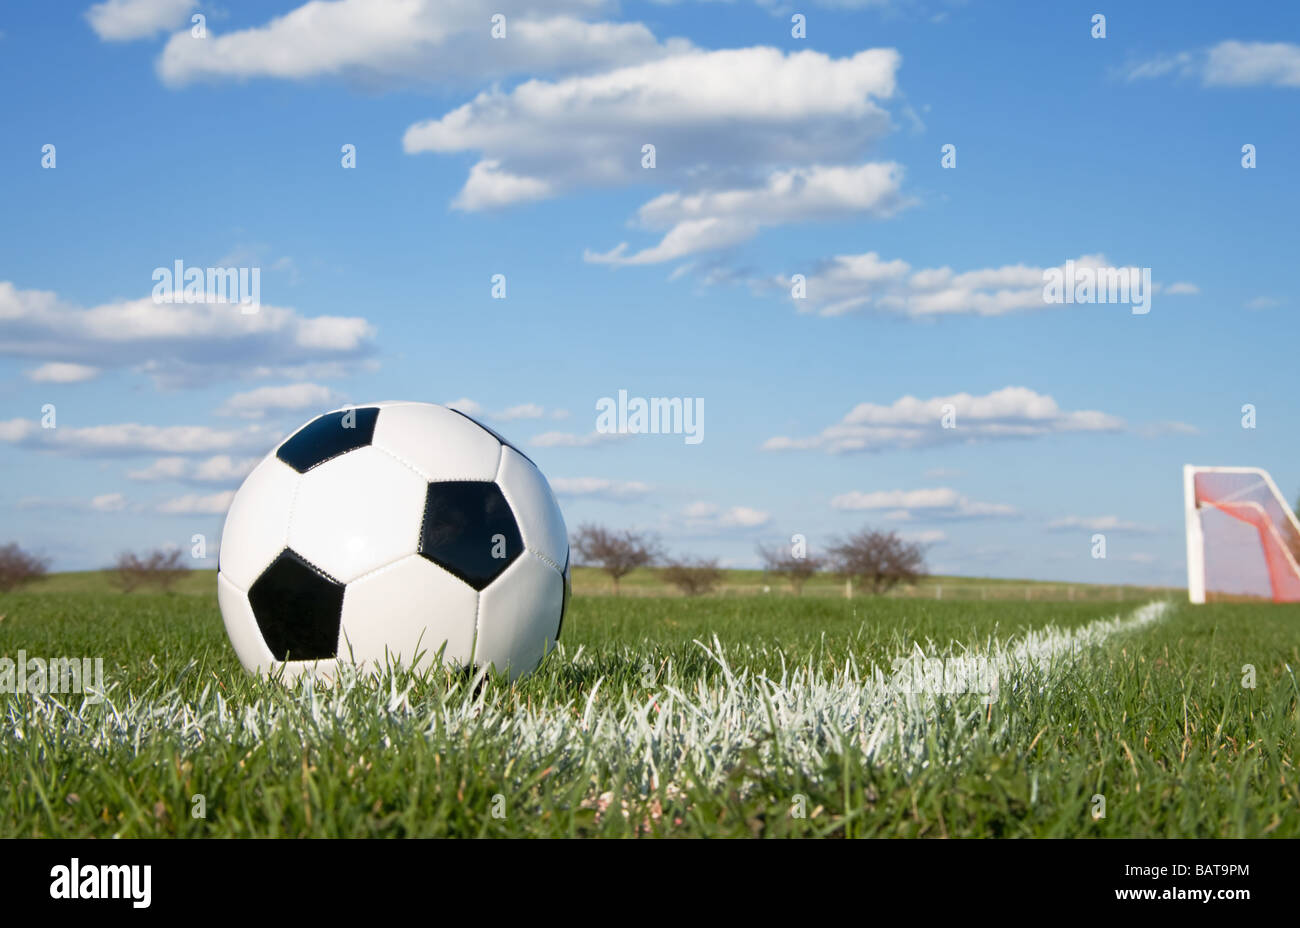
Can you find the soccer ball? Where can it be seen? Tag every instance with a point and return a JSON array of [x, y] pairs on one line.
[[385, 534]]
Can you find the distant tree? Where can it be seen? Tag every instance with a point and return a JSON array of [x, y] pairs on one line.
[[881, 560], [157, 568], [616, 553], [693, 576], [17, 567], [780, 561]]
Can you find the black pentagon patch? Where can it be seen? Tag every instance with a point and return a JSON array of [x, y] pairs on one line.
[[568, 591], [298, 608], [329, 436], [495, 434], [462, 522]]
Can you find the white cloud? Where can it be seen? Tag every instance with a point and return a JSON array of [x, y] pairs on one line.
[[194, 504], [465, 405], [108, 502], [1182, 287], [1251, 64], [162, 469], [379, 43], [600, 487], [718, 218], [728, 111], [744, 517], [573, 440], [856, 283], [710, 516], [130, 438], [61, 372], [939, 502], [221, 468], [515, 413], [1263, 302], [123, 20], [105, 502], [1012, 412], [1098, 524], [174, 341], [254, 404], [1230, 63]]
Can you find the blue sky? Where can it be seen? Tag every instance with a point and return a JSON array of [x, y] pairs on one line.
[[775, 156]]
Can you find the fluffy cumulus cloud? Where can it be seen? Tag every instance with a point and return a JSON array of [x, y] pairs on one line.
[[175, 343], [397, 42], [1230, 63], [104, 502], [518, 412], [1012, 412], [575, 440], [867, 282], [219, 469], [718, 218], [712, 517], [62, 372], [193, 504], [936, 503], [129, 438], [254, 404], [600, 488], [466, 405], [746, 109], [124, 20]]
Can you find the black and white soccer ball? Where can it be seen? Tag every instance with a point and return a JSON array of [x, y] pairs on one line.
[[385, 534]]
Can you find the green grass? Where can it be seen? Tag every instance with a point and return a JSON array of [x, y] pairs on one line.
[[646, 581], [668, 716]]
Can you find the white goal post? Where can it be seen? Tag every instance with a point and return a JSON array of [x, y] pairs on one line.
[[1242, 537]]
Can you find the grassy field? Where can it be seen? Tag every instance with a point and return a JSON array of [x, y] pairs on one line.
[[590, 581], [727, 715]]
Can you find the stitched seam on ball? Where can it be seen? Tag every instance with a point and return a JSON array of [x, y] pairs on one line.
[[546, 560], [401, 460], [293, 509], [478, 614], [382, 567]]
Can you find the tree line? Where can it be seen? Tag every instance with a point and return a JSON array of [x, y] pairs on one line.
[[877, 560], [160, 569]]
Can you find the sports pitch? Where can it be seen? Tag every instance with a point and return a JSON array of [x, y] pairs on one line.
[[665, 716]]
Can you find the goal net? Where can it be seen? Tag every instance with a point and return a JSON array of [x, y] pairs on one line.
[[1242, 537]]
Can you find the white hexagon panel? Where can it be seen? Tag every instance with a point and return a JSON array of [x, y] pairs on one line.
[[390, 533], [425, 610], [357, 513], [519, 616], [539, 515]]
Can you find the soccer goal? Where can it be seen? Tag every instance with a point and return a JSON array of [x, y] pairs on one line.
[[1242, 537]]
